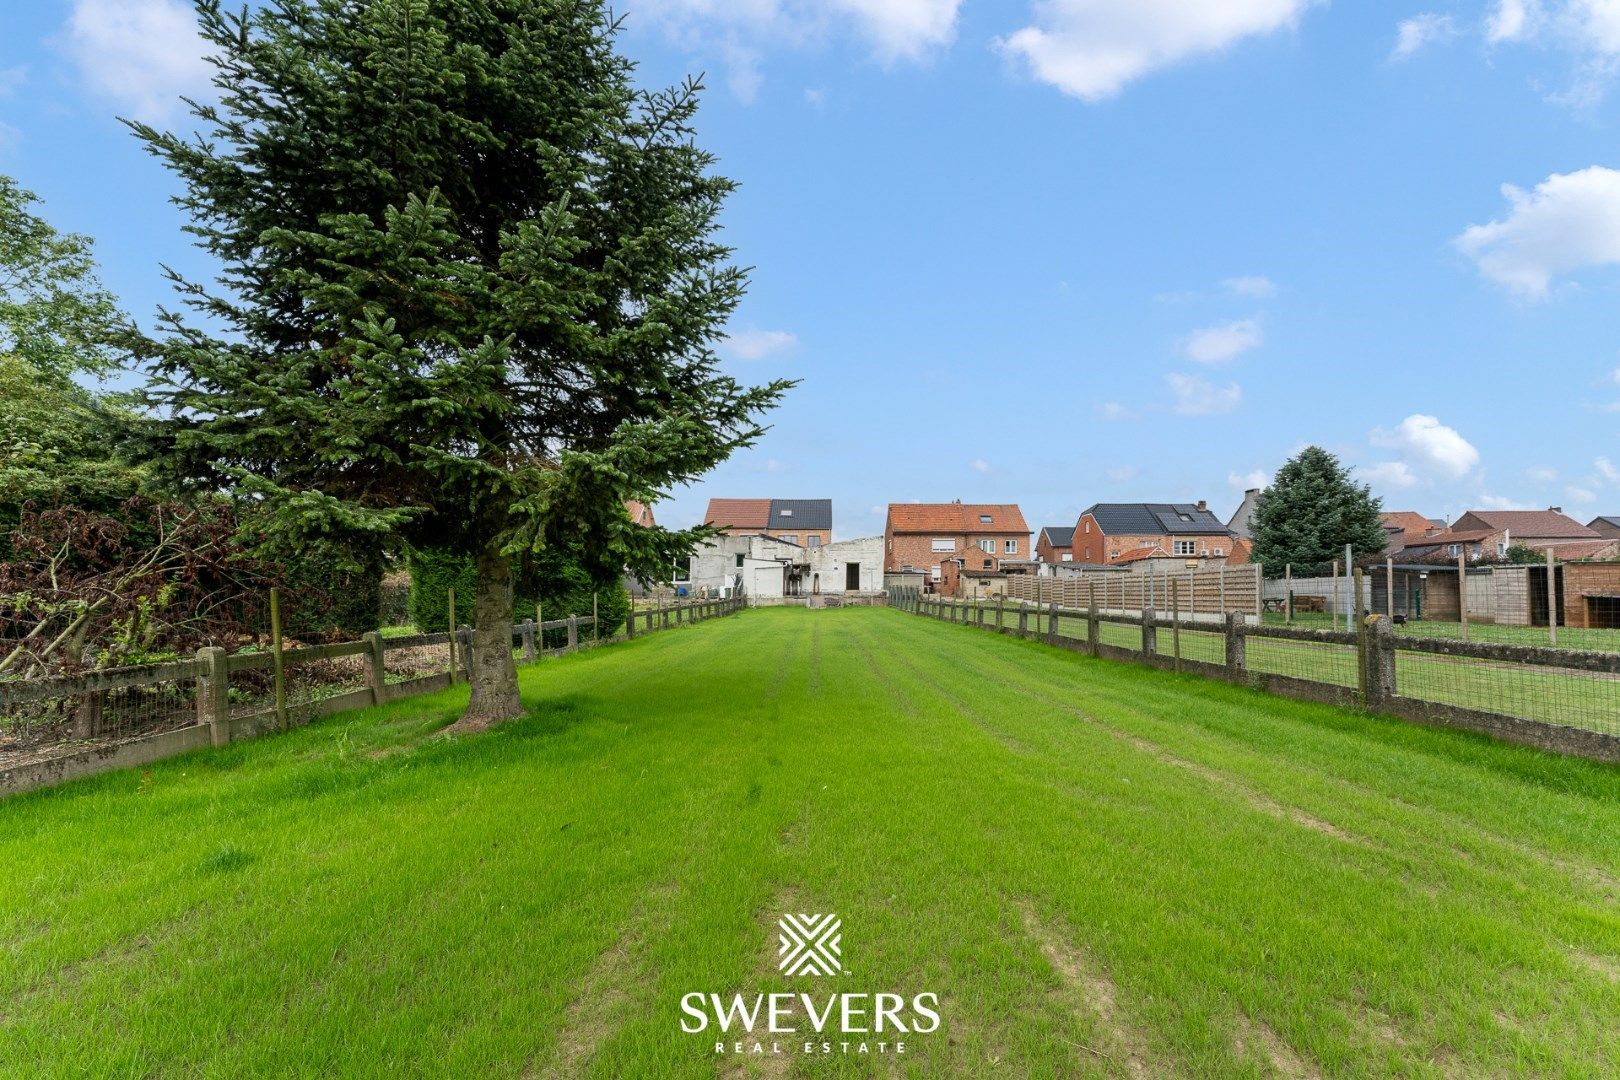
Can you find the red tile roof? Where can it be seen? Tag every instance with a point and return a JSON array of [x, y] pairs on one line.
[[1138, 554], [639, 512], [1413, 525], [751, 514], [956, 519], [1539, 524]]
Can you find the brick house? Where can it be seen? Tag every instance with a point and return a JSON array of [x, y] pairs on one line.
[[1055, 544], [806, 522], [1607, 526], [1109, 532], [640, 513], [941, 539], [1407, 528], [1487, 534]]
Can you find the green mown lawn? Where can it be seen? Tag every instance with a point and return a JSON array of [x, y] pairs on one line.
[[1100, 870]]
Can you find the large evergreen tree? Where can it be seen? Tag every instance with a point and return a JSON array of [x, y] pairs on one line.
[[1311, 510], [471, 283]]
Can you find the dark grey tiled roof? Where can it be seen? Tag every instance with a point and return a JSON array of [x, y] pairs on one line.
[[802, 514], [1155, 519], [1059, 535]]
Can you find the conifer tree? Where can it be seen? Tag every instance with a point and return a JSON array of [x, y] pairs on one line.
[[1312, 509], [470, 287]]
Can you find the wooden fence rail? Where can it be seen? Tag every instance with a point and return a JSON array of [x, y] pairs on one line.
[[206, 680], [1562, 700]]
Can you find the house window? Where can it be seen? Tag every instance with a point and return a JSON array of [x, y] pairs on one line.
[[984, 519], [1009, 547], [987, 546], [683, 571], [933, 572], [1186, 547], [1501, 547], [739, 560], [791, 538], [813, 540], [944, 543], [1114, 554], [1068, 556], [989, 563], [1455, 549]]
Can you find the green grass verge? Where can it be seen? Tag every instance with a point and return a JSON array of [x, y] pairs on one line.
[[1102, 870]]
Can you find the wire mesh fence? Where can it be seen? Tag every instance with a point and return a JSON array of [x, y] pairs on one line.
[[1544, 696]]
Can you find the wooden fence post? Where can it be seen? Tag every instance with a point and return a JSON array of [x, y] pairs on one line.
[[1552, 599], [450, 598], [1175, 625], [527, 631], [1288, 594], [1462, 589], [1093, 624], [630, 622], [214, 694], [1235, 648], [573, 632], [1364, 672], [278, 659], [376, 668], [1150, 633], [1023, 620]]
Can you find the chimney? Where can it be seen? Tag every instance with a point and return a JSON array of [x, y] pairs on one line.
[[1251, 491], [1555, 509], [1202, 505]]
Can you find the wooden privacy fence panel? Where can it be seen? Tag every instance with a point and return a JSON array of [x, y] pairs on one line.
[[126, 716], [1198, 594], [1563, 700]]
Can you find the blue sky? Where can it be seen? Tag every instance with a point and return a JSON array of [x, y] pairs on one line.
[[1062, 251]]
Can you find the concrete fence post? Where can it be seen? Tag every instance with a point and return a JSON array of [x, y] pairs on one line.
[[630, 624], [526, 631], [1023, 621], [1150, 633], [1380, 663], [1236, 659], [376, 669], [573, 632], [214, 694], [1001, 615], [1051, 624]]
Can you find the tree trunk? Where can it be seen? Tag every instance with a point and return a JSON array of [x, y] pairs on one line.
[[494, 673]]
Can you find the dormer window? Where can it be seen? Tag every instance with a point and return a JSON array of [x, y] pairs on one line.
[[786, 513], [984, 519]]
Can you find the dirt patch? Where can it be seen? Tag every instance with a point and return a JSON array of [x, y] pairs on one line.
[[1094, 991], [603, 997], [1284, 1061], [1606, 966]]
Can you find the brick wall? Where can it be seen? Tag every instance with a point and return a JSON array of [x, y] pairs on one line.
[[1095, 547], [906, 549]]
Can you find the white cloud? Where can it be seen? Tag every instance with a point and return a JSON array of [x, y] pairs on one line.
[[751, 343], [1218, 344], [1396, 474], [1577, 494], [740, 32], [1197, 396], [1428, 446], [10, 79], [1570, 221], [981, 466], [1093, 48], [1113, 410], [1542, 474], [1510, 21], [142, 54], [1123, 473], [1606, 469], [1420, 30], [1257, 286], [1255, 478], [1502, 502]]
